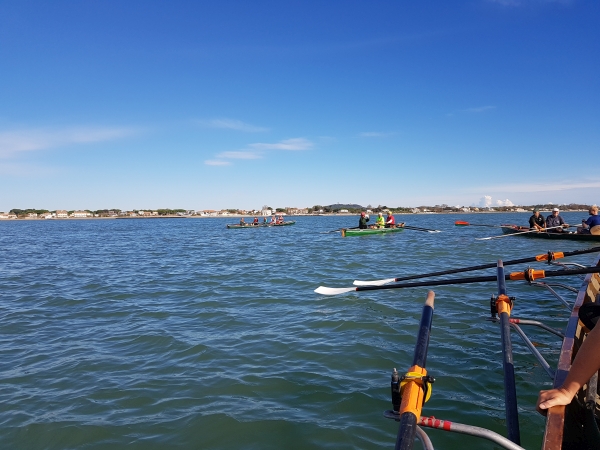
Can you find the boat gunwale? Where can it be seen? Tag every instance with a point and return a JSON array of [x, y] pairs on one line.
[[509, 229], [555, 418]]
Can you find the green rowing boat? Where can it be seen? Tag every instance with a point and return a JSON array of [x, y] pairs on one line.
[[261, 225], [513, 229], [366, 231]]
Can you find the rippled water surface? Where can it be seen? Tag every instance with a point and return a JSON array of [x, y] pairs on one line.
[[179, 333]]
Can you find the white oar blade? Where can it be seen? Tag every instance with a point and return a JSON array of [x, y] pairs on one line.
[[485, 239], [333, 291], [373, 282]]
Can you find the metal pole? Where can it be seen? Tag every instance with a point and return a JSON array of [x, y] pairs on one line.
[[534, 351], [510, 390], [413, 395], [425, 441]]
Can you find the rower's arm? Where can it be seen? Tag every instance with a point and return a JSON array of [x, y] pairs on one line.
[[587, 362]]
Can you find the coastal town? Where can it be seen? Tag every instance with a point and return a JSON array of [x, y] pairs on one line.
[[317, 210]]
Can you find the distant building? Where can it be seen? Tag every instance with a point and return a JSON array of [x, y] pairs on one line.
[[343, 210], [266, 212], [207, 212], [415, 210], [80, 214], [31, 216], [46, 216], [61, 214], [6, 216]]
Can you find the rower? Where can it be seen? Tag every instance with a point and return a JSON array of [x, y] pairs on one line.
[[255, 221], [380, 222], [362, 222], [390, 222], [265, 219], [280, 220], [592, 224], [273, 220], [554, 220], [536, 221], [242, 223]]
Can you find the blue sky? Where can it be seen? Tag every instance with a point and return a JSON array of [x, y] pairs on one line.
[[210, 105]]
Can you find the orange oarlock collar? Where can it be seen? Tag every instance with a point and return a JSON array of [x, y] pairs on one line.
[[412, 391], [528, 274], [503, 304], [550, 256]]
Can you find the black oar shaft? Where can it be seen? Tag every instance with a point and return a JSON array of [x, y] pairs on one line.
[[510, 389], [413, 393], [492, 265], [547, 274], [408, 227], [501, 278]]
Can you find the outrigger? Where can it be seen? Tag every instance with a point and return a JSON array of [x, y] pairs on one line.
[[567, 428]]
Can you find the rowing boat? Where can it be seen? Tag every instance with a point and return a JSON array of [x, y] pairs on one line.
[[564, 428], [513, 229], [367, 231], [261, 225]]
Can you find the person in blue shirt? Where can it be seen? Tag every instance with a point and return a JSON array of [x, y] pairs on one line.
[[592, 224]]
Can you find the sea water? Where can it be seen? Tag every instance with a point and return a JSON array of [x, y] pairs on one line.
[[180, 333]]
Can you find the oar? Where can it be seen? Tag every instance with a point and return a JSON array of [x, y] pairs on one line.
[[460, 223], [417, 384], [514, 234], [503, 306], [528, 275], [550, 256], [428, 230]]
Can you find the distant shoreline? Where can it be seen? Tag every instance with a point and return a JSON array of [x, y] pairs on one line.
[[238, 216]]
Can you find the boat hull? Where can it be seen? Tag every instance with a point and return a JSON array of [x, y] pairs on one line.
[[368, 231], [563, 424], [261, 225], [512, 229]]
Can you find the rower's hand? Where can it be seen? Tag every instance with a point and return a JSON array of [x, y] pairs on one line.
[[553, 397]]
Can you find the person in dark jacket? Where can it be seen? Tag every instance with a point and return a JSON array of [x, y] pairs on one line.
[[537, 221], [362, 222]]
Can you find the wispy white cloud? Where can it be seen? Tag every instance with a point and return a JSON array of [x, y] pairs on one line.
[[258, 150], [217, 162], [232, 124], [376, 134], [287, 144], [240, 155], [23, 140]]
